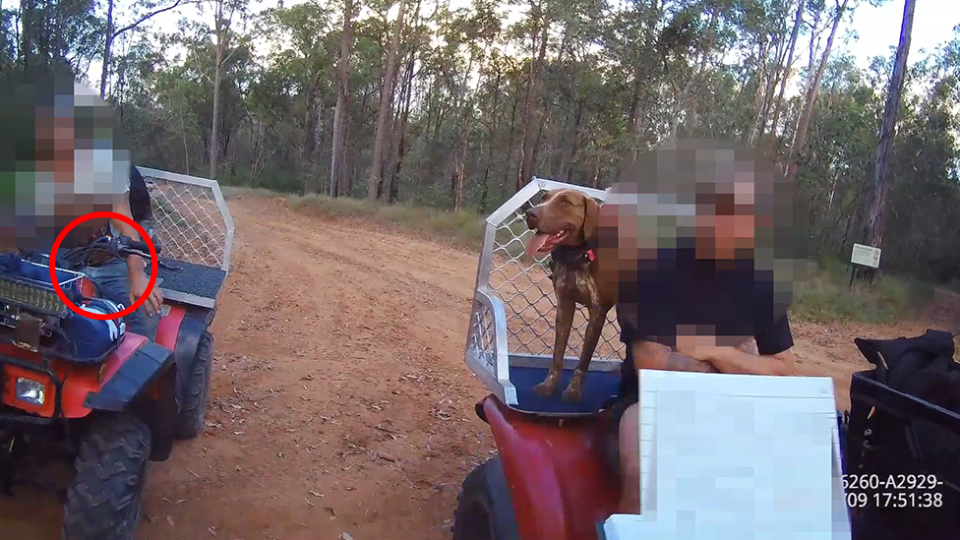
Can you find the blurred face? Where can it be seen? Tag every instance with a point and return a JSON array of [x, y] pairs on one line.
[[55, 147], [726, 222], [73, 167]]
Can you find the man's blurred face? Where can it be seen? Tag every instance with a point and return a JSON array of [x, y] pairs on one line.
[[726, 222], [55, 143], [60, 162], [701, 194]]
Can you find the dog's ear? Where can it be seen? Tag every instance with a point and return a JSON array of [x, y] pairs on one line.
[[591, 217]]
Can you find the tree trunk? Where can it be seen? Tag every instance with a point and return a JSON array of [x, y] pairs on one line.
[[779, 72], [535, 157], [570, 148], [308, 142], [595, 179], [107, 44], [28, 23], [318, 131], [815, 32], [511, 135], [494, 122], [406, 94], [375, 183], [635, 127], [801, 139], [394, 191], [397, 137], [337, 154], [217, 79], [462, 143], [530, 105], [692, 88], [888, 130], [787, 68], [758, 93], [768, 93]]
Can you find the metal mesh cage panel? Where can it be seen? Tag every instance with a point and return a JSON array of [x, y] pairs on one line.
[[188, 221], [482, 341]]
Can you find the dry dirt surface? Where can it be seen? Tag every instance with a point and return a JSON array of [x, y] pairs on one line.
[[340, 402]]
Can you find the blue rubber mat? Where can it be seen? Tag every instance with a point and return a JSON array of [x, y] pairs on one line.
[[598, 388]]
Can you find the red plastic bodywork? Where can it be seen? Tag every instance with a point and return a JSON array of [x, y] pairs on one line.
[[80, 380], [558, 484]]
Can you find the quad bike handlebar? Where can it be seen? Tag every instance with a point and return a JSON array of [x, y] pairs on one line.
[[109, 246]]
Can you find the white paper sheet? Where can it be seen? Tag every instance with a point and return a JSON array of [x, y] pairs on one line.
[[736, 456]]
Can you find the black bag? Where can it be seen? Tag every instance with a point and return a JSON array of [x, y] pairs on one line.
[[923, 367], [891, 434]]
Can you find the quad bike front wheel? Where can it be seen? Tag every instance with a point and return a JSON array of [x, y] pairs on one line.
[[194, 407], [484, 506], [103, 500]]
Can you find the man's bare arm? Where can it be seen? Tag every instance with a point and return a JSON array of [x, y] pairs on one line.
[[652, 355], [735, 360], [744, 359]]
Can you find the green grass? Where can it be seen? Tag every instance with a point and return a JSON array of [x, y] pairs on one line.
[[823, 296]]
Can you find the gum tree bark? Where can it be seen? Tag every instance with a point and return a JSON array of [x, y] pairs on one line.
[[888, 131]]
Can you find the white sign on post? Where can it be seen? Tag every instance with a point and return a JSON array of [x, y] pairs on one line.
[[865, 256]]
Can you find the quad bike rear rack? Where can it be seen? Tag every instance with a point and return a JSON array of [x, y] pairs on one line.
[[194, 226], [510, 339]]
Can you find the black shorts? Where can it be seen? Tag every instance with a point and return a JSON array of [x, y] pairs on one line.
[[611, 428]]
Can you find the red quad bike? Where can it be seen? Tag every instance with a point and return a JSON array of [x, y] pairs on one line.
[[109, 413], [548, 480]]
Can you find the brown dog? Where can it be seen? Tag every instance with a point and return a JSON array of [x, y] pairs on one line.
[[566, 224]]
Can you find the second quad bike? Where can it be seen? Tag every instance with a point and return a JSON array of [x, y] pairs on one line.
[[89, 392], [548, 480]]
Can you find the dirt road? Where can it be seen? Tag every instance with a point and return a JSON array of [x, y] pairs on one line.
[[340, 401]]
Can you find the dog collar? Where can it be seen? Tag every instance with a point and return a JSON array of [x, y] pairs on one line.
[[575, 255]]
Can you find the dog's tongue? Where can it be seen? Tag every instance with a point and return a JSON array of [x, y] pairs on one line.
[[536, 244]]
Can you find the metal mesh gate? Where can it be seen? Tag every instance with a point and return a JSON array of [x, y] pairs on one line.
[[191, 217], [514, 304]]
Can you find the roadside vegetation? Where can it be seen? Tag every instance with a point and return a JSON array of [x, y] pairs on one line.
[[825, 295]]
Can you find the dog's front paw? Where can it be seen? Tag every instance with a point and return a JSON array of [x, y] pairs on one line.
[[572, 393], [548, 387]]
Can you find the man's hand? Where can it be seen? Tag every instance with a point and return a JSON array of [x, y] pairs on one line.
[[138, 285]]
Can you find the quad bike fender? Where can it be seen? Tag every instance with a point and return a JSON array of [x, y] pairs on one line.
[[180, 331], [555, 473], [133, 378]]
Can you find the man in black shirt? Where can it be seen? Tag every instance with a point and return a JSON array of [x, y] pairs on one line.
[[702, 304]]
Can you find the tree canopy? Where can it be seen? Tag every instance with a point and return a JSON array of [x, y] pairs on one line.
[[456, 105]]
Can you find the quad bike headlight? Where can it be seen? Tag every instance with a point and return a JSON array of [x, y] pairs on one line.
[[30, 391]]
